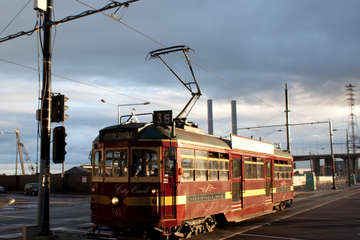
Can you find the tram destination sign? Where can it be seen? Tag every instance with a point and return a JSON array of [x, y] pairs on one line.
[[119, 135], [163, 118]]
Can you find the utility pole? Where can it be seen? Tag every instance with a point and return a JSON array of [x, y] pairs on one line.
[[43, 214], [332, 154], [43, 217], [288, 147]]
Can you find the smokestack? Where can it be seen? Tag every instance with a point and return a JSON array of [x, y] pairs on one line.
[[233, 117], [210, 117]]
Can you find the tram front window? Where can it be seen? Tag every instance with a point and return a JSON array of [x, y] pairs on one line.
[[97, 165], [116, 163], [144, 163]]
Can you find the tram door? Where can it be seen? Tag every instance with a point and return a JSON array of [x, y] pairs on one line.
[[268, 180], [169, 181], [236, 173]]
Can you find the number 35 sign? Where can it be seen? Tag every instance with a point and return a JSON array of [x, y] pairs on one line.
[[162, 118]]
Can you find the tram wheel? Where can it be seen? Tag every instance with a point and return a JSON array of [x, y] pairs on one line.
[[282, 206]]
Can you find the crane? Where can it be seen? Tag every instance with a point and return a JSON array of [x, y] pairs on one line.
[[21, 149], [28, 159]]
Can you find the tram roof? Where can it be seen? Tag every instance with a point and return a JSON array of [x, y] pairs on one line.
[[145, 131], [149, 131]]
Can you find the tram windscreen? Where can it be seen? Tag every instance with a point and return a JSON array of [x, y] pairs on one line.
[[144, 163], [116, 163], [97, 165]]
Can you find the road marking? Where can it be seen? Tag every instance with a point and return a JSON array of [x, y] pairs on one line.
[[10, 236], [266, 236], [21, 217], [291, 215]]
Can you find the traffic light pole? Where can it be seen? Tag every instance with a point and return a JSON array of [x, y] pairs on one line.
[[43, 216]]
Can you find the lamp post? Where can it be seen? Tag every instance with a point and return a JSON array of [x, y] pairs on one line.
[[271, 132], [347, 151], [123, 105], [16, 148]]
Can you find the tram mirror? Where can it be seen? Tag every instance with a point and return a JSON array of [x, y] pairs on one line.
[[294, 165], [172, 155]]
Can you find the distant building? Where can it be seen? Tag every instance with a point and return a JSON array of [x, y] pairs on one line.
[[79, 169]]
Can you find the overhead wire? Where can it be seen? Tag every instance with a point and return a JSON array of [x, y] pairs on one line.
[[15, 17], [146, 36]]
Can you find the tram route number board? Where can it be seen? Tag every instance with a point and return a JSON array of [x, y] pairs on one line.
[[162, 118]]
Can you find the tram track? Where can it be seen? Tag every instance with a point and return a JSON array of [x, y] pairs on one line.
[[290, 212], [301, 205]]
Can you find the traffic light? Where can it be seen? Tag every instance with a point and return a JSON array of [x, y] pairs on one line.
[[59, 144], [58, 108]]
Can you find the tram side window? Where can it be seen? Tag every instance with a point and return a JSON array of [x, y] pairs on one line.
[[201, 170], [224, 167], [248, 167], [188, 169], [97, 165], [282, 170], [213, 170], [260, 168], [290, 171], [254, 168], [116, 163], [144, 163], [201, 165], [224, 170]]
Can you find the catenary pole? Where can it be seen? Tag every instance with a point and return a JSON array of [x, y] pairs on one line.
[[332, 155], [43, 217], [288, 144]]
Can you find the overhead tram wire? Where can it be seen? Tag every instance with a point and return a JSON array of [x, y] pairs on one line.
[[15, 17], [120, 20], [217, 76]]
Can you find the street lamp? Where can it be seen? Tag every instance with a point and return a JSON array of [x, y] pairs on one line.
[[271, 132], [123, 105], [16, 148]]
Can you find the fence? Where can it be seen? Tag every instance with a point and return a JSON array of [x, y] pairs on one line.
[[321, 181], [70, 182]]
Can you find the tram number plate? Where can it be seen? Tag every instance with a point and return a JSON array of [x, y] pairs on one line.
[[162, 118], [115, 212]]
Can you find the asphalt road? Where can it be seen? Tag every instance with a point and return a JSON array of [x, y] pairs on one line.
[[69, 214], [321, 214], [324, 214]]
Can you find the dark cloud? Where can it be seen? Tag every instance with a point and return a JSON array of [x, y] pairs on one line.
[[244, 51]]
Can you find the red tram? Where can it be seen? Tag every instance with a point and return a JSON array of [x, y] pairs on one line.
[[179, 181]]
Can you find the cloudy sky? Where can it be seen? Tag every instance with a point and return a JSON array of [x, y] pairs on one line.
[[245, 50]]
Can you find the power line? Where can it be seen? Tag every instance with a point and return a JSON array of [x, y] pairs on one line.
[[112, 5], [15, 17]]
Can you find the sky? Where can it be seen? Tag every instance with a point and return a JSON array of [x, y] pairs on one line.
[[245, 50]]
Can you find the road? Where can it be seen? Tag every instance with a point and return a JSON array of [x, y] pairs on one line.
[[321, 214], [70, 214], [325, 214]]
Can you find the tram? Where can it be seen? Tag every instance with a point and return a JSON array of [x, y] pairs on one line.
[[168, 177], [180, 181]]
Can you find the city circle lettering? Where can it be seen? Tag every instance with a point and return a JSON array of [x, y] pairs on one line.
[[124, 135], [134, 189]]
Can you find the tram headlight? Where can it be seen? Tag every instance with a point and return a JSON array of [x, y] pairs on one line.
[[115, 201], [153, 191]]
